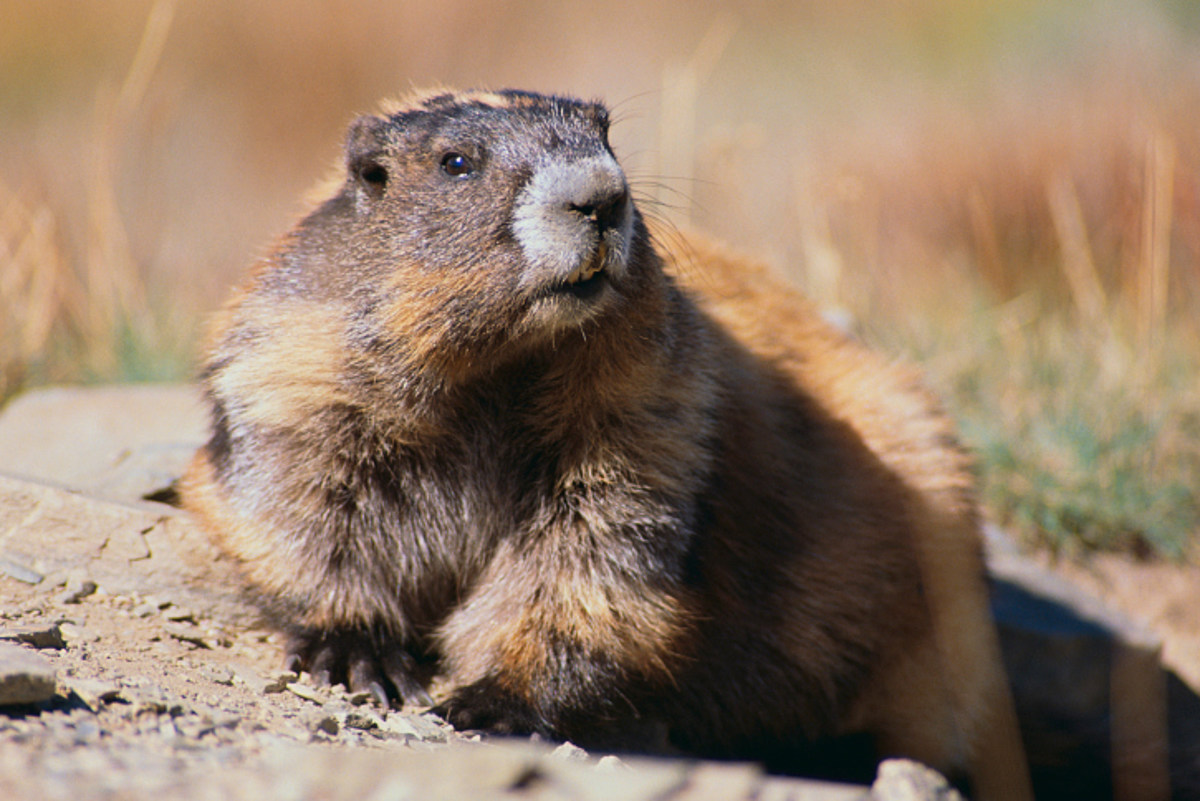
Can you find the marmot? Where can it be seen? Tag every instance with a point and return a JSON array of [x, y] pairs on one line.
[[470, 417]]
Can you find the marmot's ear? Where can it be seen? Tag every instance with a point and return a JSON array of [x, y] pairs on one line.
[[365, 154]]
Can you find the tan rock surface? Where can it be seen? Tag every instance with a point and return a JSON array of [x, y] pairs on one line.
[[115, 441]]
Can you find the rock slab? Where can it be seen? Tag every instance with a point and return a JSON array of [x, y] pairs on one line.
[[118, 442], [25, 677]]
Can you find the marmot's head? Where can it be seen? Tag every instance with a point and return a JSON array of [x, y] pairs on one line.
[[483, 223]]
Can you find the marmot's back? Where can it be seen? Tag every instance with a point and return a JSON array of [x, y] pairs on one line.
[[465, 421], [885, 498]]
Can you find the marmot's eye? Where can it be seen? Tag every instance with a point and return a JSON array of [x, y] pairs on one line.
[[456, 165], [375, 175]]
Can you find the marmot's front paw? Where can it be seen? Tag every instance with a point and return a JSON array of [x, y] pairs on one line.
[[487, 707], [360, 660]]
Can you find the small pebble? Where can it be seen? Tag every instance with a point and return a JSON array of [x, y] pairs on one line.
[[218, 675], [143, 610], [903, 779], [305, 692], [570, 752], [151, 698], [415, 727], [399, 726], [279, 682], [327, 724], [180, 614], [77, 590], [365, 721], [611, 762], [156, 601], [186, 633]]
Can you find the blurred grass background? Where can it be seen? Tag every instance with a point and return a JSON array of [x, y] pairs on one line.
[[1006, 191]]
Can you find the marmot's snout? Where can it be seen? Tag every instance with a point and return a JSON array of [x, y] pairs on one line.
[[574, 221]]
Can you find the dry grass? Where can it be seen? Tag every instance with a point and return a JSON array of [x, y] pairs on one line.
[[1086, 440], [32, 291], [1056, 306], [1009, 191], [84, 315]]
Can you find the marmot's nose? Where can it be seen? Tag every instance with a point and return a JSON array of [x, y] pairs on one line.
[[606, 209], [567, 209]]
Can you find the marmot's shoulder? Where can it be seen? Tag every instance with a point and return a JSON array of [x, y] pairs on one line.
[[886, 401]]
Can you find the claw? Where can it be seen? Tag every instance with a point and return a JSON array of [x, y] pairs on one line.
[[293, 662], [399, 668], [323, 665], [363, 675], [359, 659]]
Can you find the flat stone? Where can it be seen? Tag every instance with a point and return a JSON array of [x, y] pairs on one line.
[[47, 636], [94, 692], [305, 692], [248, 676], [25, 677], [280, 769], [75, 634], [134, 549], [19, 572], [120, 442], [189, 634]]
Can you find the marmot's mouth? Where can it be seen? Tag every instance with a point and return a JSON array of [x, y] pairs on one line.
[[586, 281], [585, 288]]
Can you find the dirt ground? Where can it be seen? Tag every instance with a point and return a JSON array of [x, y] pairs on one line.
[[157, 692]]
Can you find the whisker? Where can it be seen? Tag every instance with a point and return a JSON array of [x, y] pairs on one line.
[[617, 110]]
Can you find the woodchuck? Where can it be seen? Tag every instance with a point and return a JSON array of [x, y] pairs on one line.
[[469, 417]]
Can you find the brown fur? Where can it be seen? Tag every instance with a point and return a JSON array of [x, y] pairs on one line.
[[685, 509]]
